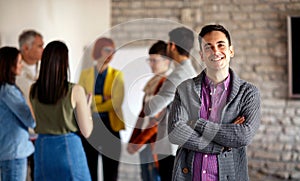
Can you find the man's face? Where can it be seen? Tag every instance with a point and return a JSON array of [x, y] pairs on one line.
[[216, 52], [34, 53]]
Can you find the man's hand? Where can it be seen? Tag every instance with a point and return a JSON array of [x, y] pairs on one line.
[[105, 98], [130, 148], [239, 120]]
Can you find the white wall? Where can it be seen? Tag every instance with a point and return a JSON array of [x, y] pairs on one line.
[[132, 62], [76, 22]]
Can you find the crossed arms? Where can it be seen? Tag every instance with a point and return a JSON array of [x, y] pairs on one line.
[[239, 122]]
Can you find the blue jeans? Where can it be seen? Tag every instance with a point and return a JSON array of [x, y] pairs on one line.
[[149, 171], [60, 158], [13, 170]]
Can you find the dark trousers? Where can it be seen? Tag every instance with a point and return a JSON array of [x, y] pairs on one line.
[[165, 167], [30, 163], [107, 142], [92, 158], [31, 166], [110, 169], [111, 151]]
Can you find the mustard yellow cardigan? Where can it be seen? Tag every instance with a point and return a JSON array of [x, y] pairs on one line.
[[114, 88]]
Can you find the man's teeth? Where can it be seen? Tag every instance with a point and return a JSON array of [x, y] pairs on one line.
[[216, 59]]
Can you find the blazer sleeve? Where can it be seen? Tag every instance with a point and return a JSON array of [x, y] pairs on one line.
[[87, 79], [140, 137], [161, 100], [182, 134]]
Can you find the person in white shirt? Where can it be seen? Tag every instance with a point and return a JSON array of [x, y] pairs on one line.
[[31, 46]]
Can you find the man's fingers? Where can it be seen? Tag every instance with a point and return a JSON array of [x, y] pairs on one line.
[[239, 120]]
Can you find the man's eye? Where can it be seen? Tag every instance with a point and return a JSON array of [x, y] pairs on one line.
[[221, 45], [207, 47]]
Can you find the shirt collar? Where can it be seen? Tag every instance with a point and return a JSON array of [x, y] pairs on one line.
[[30, 71], [224, 84]]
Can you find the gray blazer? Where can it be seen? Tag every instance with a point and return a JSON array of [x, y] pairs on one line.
[[194, 134]]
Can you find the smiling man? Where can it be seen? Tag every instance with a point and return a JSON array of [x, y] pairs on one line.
[[214, 116]]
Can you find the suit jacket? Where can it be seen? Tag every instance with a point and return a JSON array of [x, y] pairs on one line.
[[114, 88], [194, 134]]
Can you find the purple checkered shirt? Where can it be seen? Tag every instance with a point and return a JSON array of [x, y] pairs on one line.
[[213, 98]]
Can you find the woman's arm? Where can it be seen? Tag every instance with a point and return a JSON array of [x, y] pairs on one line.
[[17, 104], [83, 112]]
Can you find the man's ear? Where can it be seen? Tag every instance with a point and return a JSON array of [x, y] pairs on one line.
[[172, 46], [231, 49], [25, 47], [201, 55]]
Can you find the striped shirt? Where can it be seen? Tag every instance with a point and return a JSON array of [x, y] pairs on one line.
[[214, 99]]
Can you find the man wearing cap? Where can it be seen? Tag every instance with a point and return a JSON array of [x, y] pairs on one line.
[[181, 41]]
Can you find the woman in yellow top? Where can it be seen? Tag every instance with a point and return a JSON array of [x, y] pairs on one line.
[[107, 86]]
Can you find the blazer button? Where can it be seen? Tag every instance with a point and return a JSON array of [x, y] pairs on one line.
[[185, 170]]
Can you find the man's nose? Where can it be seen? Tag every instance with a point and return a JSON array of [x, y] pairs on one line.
[[214, 49]]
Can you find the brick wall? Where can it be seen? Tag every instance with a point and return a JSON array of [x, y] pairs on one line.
[[259, 32]]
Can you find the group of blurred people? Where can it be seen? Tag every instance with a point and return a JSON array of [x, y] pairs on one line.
[[40, 97], [184, 130], [152, 124]]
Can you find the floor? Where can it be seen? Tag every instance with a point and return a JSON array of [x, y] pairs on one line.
[[129, 170]]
